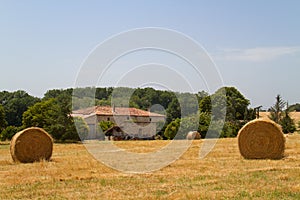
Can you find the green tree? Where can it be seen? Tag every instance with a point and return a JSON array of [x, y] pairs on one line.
[[173, 111], [105, 125], [54, 117], [165, 98], [202, 94], [225, 100], [43, 114], [53, 94], [230, 129], [205, 104], [190, 123], [9, 132], [295, 107], [15, 104], [102, 93], [172, 129], [3, 122], [280, 116], [287, 123], [121, 96], [236, 104], [189, 104], [63, 126], [78, 130], [179, 128], [249, 114], [276, 109], [204, 122]]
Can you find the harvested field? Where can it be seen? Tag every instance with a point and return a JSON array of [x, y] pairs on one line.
[[294, 115], [223, 174]]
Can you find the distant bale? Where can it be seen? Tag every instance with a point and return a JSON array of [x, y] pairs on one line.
[[193, 135], [30, 145], [261, 139]]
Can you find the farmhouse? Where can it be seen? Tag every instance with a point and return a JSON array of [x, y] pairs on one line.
[[134, 122]]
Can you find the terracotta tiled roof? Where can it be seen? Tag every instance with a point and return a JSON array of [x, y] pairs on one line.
[[110, 111], [85, 111]]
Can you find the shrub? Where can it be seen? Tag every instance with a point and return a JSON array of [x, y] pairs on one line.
[[172, 129], [230, 129], [9, 132], [287, 124], [105, 125]]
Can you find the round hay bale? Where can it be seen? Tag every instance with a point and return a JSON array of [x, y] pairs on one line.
[[261, 139], [193, 135], [30, 145]]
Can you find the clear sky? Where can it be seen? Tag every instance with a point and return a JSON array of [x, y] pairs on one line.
[[255, 44]]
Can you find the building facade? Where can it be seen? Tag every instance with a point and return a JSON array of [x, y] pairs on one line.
[[134, 122]]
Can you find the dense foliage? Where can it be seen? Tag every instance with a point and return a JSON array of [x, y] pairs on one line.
[[172, 129], [287, 123], [15, 104], [52, 112], [3, 122], [295, 107], [222, 114], [105, 125], [9, 132]]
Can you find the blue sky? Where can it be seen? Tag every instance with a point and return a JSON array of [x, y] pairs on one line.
[[255, 44]]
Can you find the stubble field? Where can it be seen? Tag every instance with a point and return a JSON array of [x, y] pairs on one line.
[[223, 174]]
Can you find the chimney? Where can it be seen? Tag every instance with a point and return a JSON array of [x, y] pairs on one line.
[[114, 108]]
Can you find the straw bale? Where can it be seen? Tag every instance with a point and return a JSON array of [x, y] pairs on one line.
[[31, 145], [261, 139], [193, 135]]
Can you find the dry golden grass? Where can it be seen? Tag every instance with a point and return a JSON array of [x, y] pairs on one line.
[[294, 115], [141, 146], [223, 174]]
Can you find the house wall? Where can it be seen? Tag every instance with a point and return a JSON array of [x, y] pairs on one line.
[[139, 129], [92, 123], [134, 126], [138, 126]]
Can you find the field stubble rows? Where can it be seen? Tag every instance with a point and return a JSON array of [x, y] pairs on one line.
[[223, 174]]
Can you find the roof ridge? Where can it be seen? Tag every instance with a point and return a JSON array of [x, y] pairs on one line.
[[109, 110]]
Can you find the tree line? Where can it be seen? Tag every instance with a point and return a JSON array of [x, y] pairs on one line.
[[19, 110]]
